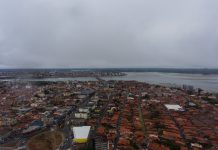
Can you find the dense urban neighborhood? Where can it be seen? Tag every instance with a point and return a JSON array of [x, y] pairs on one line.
[[106, 115]]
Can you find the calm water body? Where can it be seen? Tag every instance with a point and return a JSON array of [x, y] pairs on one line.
[[206, 82], [54, 79]]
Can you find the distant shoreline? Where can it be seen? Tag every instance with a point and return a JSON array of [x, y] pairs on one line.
[[203, 71]]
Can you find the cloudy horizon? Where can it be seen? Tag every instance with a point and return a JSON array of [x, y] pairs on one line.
[[100, 33]]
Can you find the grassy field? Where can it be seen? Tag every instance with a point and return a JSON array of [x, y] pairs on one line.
[[46, 141]]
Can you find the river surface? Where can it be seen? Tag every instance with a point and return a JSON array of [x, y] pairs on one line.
[[53, 79], [206, 82]]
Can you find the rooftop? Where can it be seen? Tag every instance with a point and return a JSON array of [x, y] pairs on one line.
[[81, 133], [174, 107]]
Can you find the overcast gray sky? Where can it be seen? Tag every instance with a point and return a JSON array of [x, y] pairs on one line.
[[108, 33]]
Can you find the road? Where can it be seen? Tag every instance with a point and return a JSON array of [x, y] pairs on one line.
[[67, 144], [143, 122], [118, 125]]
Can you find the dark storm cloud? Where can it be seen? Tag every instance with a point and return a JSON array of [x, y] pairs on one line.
[[100, 33]]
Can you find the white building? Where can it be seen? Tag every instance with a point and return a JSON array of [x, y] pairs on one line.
[[81, 115], [81, 134], [175, 107]]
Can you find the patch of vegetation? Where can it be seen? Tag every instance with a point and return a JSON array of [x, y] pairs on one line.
[[129, 117], [207, 145], [88, 147], [154, 114], [169, 143], [160, 127], [134, 145], [109, 126], [211, 101], [46, 92], [146, 97]]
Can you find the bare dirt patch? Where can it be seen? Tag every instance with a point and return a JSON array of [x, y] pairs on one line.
[[46, 141]]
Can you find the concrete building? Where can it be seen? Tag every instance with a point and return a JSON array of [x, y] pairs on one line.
[[174, 107], [81, 134]]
